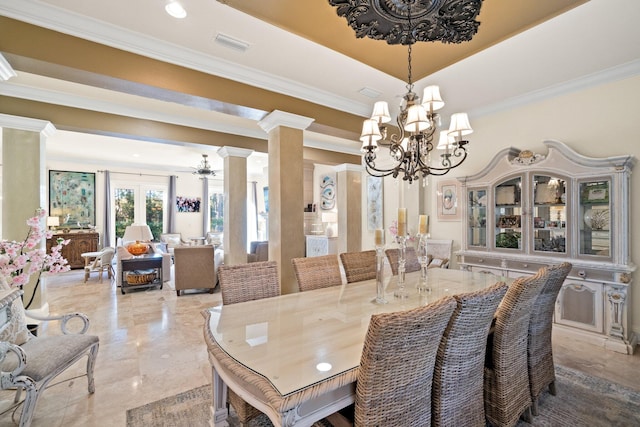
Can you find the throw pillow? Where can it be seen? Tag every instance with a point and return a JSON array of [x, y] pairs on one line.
[[15, 331]]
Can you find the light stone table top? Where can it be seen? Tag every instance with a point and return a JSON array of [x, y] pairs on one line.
[[298, 340]]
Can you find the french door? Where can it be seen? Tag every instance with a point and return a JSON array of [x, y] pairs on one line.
[[140, 204]]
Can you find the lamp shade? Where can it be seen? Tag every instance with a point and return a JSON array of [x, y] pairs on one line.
[[381, 112], [53, 221], [137, 234], [445, 140], [431, 99], [459, 125], [370, 134], [416, 119]]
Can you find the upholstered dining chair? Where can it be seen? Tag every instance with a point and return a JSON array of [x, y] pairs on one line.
[[458, 375], [506, 380], [359, 266], [317, 272], [539, 352], [410, 257], [101, 263], [29, 363], [241, 283], [394, 380]]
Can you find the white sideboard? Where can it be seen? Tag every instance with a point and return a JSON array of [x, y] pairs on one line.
[[321, 245]]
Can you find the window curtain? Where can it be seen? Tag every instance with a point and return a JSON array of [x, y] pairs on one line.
[[171, 211], [252, 214], [205, 207], [107, 225]]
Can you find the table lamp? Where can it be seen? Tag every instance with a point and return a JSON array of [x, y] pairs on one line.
[[53, 222], [139, 234]]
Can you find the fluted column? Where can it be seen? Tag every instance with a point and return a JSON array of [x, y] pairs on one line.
[[286, 192]]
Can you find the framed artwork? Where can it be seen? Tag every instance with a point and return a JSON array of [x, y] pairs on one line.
[[72, 198], [374, 203], [328, 192], [188, 204], [447, 201]]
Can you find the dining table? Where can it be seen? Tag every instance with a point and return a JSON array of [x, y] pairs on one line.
[[295, 357]]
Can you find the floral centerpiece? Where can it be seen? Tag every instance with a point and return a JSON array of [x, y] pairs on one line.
[[19, 260]]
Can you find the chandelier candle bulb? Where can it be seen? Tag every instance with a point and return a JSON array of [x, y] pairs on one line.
[[379, 237], [422, 224], [402, 222]]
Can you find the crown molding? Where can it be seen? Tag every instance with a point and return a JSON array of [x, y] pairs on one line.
[[87, 28], [612, 74], [227, 151]]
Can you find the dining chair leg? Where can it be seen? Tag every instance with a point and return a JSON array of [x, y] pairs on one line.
[[534, 407], [527, 416], [552, 388]]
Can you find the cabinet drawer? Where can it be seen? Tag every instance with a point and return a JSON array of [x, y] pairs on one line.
[[482, 261], [525, 266]]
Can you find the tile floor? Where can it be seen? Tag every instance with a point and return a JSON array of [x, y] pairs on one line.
[[151, 346]]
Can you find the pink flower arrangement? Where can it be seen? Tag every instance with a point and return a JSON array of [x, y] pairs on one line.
[[19, 260]]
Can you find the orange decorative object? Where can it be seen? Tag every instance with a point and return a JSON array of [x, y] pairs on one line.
[[137, 248]]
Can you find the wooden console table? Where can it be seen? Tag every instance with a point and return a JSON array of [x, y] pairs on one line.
[[146, 262], [79, 244]]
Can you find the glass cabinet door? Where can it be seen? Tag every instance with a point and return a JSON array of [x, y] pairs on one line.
[[477, 220], [595, 218], [508, 214], [549, 214]]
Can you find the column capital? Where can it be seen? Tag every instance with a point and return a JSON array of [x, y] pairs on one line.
[[6, 71], [281, 118], [234, 152], [45, 128]]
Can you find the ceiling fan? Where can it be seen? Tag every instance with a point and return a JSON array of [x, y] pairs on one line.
[[204, 168]]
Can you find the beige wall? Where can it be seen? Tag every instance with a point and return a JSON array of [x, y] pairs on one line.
[[598, 122]]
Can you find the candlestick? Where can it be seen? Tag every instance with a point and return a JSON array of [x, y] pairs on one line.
[[423, 258], [422, 224], [402, 222], [380, 275], [379, 233], [401, 292]]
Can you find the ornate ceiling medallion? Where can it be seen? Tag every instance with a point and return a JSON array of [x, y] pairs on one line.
[[409, 21]]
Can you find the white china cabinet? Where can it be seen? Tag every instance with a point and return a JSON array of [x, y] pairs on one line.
[[527, 210]]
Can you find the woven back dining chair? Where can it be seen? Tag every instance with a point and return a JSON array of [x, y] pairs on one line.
[[410, 256], [359, 266], [248, 282], [394, 381], [241, 283], [317, 272], [506, 380], [458, 375], [539, 352]]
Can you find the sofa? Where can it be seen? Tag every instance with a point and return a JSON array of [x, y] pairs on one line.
[[258, 251], [196, 267]]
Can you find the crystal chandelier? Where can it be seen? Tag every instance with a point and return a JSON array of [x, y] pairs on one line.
[[411, 149]]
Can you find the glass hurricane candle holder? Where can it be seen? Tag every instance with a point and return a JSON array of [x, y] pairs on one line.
[[401, 292], [380, 275], [423, 259]]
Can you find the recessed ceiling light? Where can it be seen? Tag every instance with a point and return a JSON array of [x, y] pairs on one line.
[[175, 9]]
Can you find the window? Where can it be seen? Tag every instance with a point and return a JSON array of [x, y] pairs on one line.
[[141, 204]]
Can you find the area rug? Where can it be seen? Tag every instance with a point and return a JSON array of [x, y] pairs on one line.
[[582, 400]]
